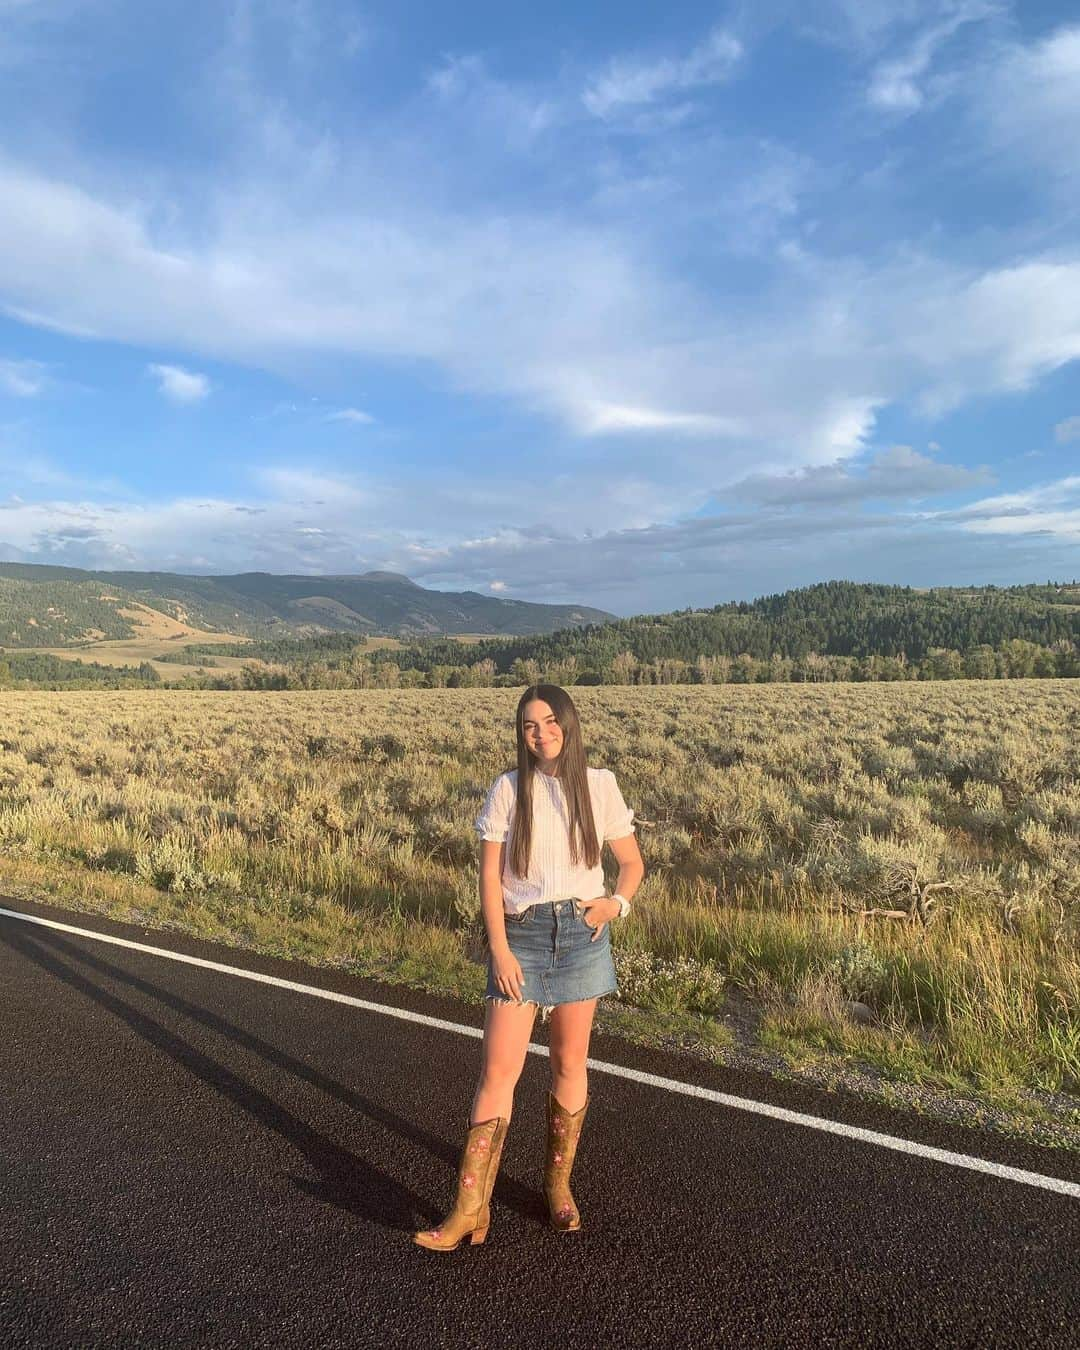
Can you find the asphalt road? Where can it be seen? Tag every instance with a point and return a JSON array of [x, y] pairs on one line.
[[188, 1158]]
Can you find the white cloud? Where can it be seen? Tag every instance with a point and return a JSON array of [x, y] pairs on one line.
[[1050, 509], [23, 465], [1026, 101], [327, 524], [1067, 431], [495, 238], [577, 317], [206, 533], [995, 333], [569, 319], [630, 82], [514, 114], [351, 415], [896, 84], [1063, 524], [563, 317], [179, 385], [456, 75], [866, 29], [1062, 489], [611, 418], [29, 469], [308, 487], [23, 379], [899, 472]]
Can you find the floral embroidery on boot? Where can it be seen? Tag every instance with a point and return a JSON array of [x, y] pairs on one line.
[[564, 1130], [470, 1216]]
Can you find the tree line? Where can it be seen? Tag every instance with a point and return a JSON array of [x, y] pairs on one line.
[[832, 631], [40, 670], [1014, 659]]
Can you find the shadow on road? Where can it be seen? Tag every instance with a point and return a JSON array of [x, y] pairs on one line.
[[343, 1179]]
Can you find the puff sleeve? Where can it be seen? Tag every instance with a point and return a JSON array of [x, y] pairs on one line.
[[618, 817], [493, 822]]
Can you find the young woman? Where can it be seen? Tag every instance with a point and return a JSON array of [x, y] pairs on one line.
[[546, 914]]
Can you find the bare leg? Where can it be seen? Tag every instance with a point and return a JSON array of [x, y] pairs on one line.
[[571, 1026], [507, 1028]]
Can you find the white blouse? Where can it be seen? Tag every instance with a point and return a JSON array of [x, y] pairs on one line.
[[552, 874]]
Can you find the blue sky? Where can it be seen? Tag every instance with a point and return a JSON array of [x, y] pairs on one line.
[[640, 306]]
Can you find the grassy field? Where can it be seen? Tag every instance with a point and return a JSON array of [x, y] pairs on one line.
[[914, 848], [155, 633]]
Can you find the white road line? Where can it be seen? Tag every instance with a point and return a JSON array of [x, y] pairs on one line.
[[943, 1155]]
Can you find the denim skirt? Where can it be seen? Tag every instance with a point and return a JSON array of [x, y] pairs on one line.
[[559, 960]]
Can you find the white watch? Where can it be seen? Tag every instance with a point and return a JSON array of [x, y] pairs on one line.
[[624, 904]]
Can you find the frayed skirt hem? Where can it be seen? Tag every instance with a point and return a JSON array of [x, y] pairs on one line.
[[545, 1008]]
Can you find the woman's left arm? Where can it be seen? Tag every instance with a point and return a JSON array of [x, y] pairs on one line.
[[631, 871], [631, 866]]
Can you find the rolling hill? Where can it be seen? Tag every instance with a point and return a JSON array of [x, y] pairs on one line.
[[57, 607]]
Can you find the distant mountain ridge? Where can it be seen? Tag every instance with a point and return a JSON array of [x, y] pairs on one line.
[[49, 606]]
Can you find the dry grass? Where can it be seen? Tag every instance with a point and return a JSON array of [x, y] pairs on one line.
[[155, 633], [777, 818]]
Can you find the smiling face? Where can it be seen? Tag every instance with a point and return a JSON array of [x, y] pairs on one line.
[[543, 735]]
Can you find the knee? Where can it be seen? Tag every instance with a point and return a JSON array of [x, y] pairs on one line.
[[500, 1077], [565, 1065]]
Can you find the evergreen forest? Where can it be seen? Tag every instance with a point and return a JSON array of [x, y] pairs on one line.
[[835, 630]]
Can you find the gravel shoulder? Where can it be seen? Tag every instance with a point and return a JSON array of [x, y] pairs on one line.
[[1057, 1124]]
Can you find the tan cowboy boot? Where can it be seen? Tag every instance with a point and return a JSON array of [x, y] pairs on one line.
[[471, 1214], [563, 1133]]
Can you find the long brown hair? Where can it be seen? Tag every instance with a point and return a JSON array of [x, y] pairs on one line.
[[571, 770]]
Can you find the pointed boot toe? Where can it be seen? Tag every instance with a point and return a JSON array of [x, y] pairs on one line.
[[563, 1133], [471, 1216]]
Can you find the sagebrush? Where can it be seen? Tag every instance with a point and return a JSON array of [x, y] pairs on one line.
[[914, 847]]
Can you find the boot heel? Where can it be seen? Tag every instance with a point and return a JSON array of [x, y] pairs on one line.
[[471, 1215], [564, 1131]]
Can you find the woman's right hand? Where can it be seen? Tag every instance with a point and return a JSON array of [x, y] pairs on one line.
[[506, 969]]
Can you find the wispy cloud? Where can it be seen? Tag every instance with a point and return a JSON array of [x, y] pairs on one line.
[[999, 331], [333, 526], [612, 418], [628, 82], [1048, 509], [899, 472], [23, 379], [37, 470], [709, 309], [896, 84], [565, 318], [865, 29], [26, 468], [356, 415], [179, 385], [1025, 101], [580, 319], [1067, 431], [493, 108]]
